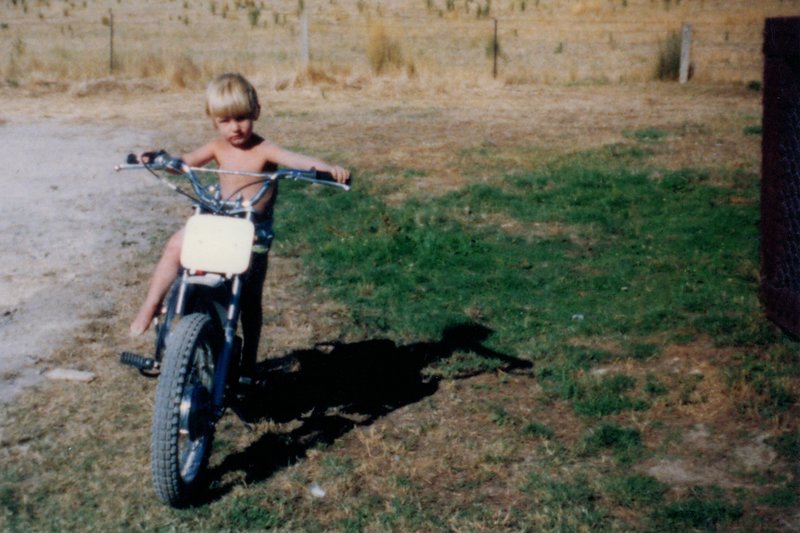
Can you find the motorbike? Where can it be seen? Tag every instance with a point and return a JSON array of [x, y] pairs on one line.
[[197, 354]]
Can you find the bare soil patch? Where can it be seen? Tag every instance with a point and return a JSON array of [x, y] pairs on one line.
[[69, 223]]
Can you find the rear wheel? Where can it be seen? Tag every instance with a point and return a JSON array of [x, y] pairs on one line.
[[183, 428]]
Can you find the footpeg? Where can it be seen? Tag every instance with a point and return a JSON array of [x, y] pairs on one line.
[[146, 365]]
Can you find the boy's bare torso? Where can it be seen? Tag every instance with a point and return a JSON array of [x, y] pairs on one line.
[[255, 156]]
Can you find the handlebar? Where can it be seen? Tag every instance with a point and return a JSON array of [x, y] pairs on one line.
[[209, 197]]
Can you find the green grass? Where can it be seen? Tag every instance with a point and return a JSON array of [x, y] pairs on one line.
[[647, 134], [625, 443], [639, 256], [537, 429], [787, 445], [606, 396], [752, 130], [630, 257], [604, 250], [784, 497], [566, 503], [705, 509], [247, 512], [635, 490], [591, 268], [769, 377]]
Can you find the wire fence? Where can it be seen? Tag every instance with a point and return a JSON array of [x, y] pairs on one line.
[[529, 49]]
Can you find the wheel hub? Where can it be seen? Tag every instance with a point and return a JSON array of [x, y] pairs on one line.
[[195, 412]]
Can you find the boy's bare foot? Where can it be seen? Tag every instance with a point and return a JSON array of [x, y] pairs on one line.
[[141, 323], [136, 330]]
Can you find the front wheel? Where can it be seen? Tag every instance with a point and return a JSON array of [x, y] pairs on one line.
[[183, 425]]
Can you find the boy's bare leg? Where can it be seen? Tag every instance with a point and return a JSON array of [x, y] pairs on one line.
[[163, 275], [252, 314]]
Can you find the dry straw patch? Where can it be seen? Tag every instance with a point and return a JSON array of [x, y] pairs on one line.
[[541, 42], [383, 51]]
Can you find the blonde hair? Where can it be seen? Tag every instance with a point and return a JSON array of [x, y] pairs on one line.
[[231, 95]]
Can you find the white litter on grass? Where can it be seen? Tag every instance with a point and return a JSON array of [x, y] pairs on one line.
[[316, 490], [66, 374]]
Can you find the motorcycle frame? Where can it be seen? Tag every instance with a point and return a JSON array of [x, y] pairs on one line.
[[208, 201], [228, 321]]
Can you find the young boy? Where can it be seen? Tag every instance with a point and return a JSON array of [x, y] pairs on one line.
[[232, 105]]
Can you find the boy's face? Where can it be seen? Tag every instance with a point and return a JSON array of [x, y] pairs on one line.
[[236, 130]]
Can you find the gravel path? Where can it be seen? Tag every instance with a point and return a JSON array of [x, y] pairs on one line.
[[68, 219]]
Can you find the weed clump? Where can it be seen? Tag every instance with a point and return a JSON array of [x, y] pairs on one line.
[[635, 490], [248, 512], [704, 509], [565, 504], [625, 443], [761, 384], [669, 58], [787, 445], [753, 130], [606, 397], [185, 73], [647, 134], [383, 51], [783, 497], [537, 429]]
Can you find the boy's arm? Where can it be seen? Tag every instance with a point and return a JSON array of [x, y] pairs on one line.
[[290, 159], [197, 158], [201, 156]]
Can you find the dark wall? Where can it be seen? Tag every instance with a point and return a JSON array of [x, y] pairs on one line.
[[780, 174]]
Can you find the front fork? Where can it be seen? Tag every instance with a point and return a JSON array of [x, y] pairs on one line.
[[229, 346], [222, 367], [224, 362]]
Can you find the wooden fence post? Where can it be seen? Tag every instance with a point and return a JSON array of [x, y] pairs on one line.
[[495, 49], [304, 38], [686, 45], [111, 41]]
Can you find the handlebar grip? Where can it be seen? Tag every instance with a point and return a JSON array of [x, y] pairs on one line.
[[160, 157], [327, 176], [324, 176]]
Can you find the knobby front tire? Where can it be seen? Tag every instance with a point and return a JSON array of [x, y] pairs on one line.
[[183, 430]]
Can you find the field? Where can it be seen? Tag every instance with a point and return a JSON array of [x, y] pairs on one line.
[[536, 311], [435, 43]]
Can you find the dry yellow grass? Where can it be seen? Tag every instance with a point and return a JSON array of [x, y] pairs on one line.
[[550, 41]]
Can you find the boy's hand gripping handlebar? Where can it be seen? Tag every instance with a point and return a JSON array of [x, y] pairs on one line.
[[162, 161]]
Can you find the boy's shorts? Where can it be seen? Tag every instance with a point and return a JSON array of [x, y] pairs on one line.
[[264, 236]]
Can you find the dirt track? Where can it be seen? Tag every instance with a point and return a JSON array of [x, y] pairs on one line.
[[68, 219]]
